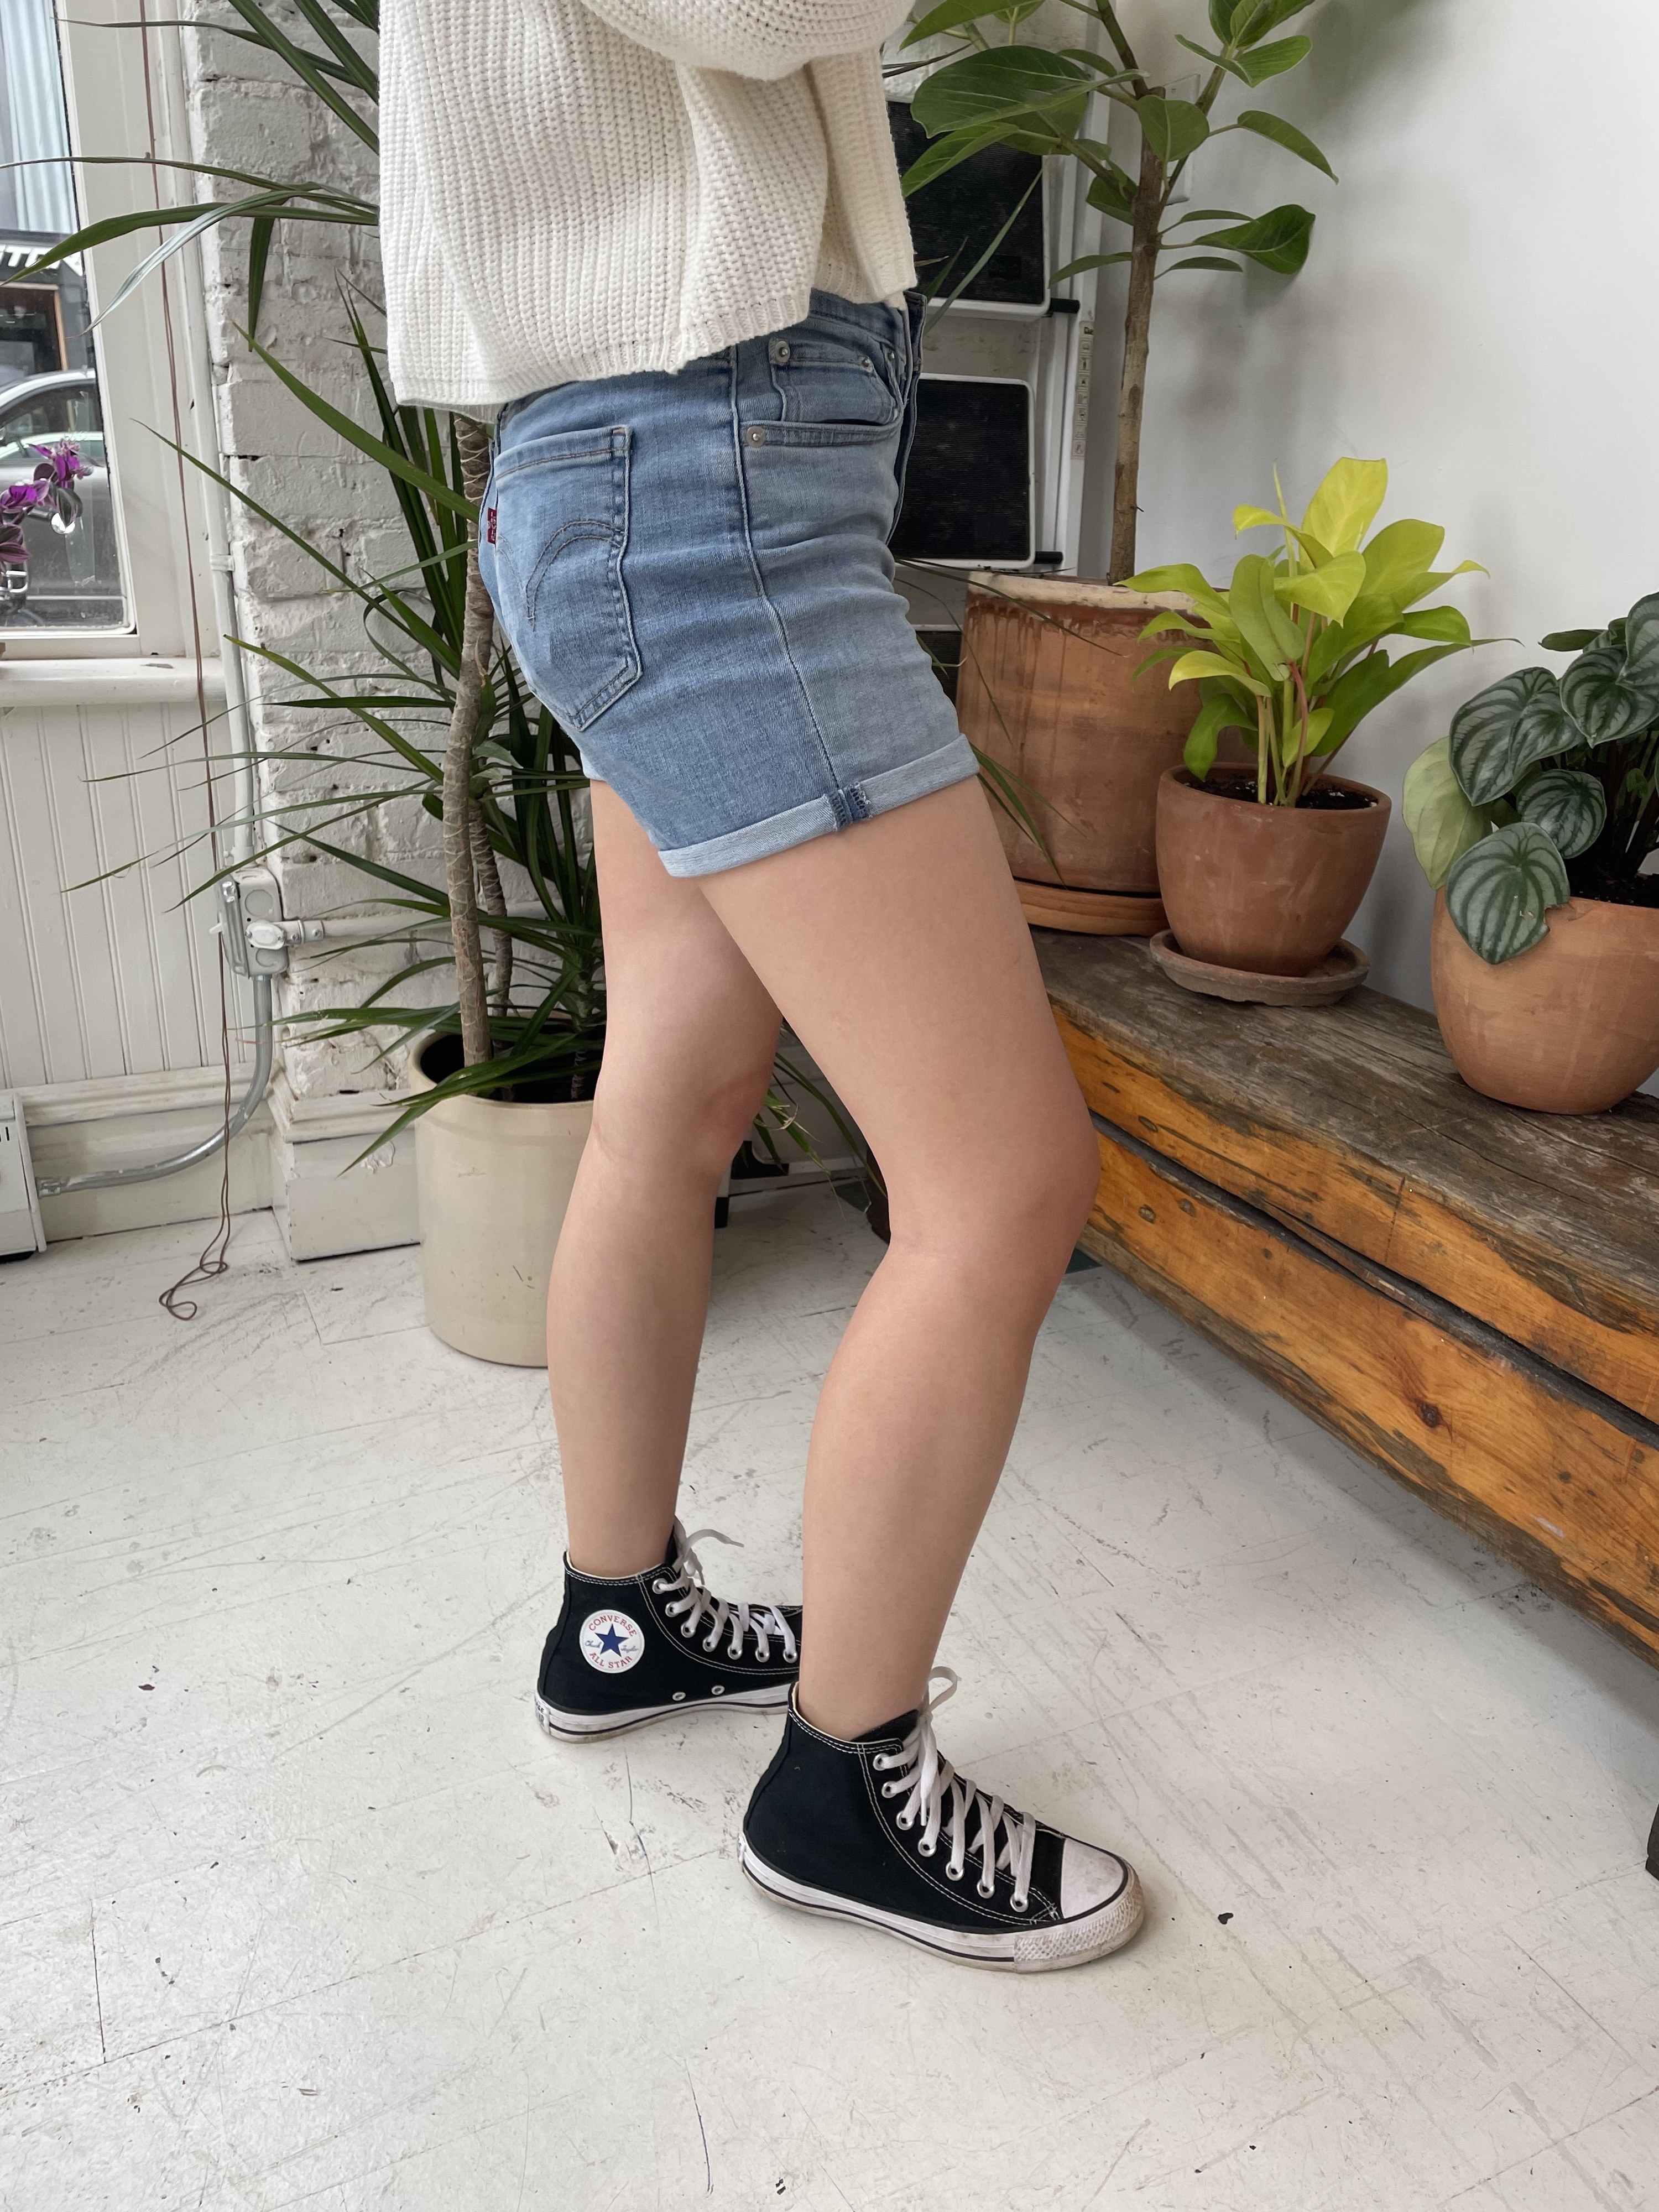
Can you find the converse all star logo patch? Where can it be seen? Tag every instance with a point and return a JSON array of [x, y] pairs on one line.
[[610, 1642]]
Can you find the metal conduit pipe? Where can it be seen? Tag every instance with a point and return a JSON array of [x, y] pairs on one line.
[[252, 1098]]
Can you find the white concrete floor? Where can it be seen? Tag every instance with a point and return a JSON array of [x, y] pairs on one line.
[[297, 1907]]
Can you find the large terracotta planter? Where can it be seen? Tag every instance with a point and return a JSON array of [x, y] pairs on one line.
[[1047, 688], [1569, 1027], [493, 1181], [1266, 889]]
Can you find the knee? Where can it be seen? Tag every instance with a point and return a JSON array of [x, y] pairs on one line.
[[1016, 1220], [691, 1126]]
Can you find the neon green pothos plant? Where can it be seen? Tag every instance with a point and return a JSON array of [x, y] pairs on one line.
[[1291, 652]]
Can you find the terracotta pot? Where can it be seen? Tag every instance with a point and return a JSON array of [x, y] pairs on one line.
[[493, 1180], [1266, 889], [1048, 688], [1569, 1027]]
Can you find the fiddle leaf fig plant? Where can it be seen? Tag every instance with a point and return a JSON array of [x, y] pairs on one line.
[[1547, 788], [993, 91], [1290, 652]]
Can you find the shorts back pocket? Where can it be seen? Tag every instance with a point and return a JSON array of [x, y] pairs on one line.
[[552, 546]]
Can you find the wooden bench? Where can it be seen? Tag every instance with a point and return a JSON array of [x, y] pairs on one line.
[[1466, 1294]]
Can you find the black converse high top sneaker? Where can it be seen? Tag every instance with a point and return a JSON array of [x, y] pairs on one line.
[[628, 1649], [885, 1831]]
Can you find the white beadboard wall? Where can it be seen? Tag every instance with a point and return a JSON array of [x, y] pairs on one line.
[[104, 974]]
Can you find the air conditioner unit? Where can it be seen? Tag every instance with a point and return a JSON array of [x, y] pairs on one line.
[[969, 489], [955, 219]]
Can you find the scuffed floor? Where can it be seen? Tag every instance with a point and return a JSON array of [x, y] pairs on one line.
[[297, 1907]]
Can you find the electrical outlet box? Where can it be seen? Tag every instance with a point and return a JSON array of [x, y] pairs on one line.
[[20, 1202]]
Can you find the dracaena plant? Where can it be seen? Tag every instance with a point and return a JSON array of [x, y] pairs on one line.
[[1546, 788], [993, 91], [1291, 652]]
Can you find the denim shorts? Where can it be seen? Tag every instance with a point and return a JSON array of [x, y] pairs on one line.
[[692, 569]]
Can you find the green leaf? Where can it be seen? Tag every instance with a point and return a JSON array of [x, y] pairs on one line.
[[994, 88], [1113, 195], [1255, 517], [1330, 590], [1607, 698], [1442, 821], [1285, 135], [946, 17], [1205, 261], [1183, 576], [1211, 215], [1279, 240], [946, 153], [1087, 261], [1569, 806], [1569, 641], [1500, 890], [1261, 63], [1641, 640], [1263, 623], [1254, 19], [1204, 736], [1346, 505], [1221, 18], [1193, 665], [1497, 736], [1447, 625], [1364, 688], [1399, 557], [1175, 128], [1215, 61]]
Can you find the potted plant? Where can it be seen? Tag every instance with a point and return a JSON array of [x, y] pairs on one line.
[[1263, 867], [1047, 687], [501, 1077], [1533, 821]]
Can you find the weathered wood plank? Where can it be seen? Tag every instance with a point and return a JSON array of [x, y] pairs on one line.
[[1351, 1120], [1563, 1484]]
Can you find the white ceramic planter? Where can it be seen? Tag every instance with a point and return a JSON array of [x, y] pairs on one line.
[[493, 1182]]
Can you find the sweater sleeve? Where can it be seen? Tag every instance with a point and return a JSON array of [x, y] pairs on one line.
[[765, 38]]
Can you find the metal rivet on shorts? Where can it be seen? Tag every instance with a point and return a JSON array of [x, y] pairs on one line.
[[779, 348], [866, 362], [756, 437]]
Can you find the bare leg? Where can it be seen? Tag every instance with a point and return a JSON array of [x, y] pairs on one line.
[[688, 1056], [897, 951]]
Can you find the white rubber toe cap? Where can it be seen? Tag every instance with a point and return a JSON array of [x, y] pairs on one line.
[[1088, 1878]]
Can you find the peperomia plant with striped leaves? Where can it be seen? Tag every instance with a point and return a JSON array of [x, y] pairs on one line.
[[1547, 788]]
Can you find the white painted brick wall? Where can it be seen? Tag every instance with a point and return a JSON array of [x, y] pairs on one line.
[[247, 113]]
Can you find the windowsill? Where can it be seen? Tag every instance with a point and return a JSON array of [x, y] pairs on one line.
[[106, 682]]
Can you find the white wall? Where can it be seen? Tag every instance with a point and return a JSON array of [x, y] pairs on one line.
[[1479, 308]]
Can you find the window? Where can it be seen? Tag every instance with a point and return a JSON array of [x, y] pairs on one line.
[[60, 554]]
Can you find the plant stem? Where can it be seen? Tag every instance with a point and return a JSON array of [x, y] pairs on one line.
[[492, 901], [478, 629], [1137, 341]]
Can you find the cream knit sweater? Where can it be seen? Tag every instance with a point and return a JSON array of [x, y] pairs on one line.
[[584, 188]]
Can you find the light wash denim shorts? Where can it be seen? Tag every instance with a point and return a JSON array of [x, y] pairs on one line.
[[693, 571]]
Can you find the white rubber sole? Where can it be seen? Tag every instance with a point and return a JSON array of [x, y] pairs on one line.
[[574, 1727], [1014, 1951]]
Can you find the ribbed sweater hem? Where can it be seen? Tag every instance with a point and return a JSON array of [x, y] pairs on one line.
[[644, 356]]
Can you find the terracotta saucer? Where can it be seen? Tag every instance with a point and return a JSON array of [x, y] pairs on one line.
[[1090, 914], [1337, 974]]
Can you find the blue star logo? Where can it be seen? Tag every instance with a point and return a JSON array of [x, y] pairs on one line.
[[610, 1641]]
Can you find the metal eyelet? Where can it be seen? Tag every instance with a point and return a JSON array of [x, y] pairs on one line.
[[717, 1690], [891, 1788], [1018, 1906], [954, 1874], [687, 1630], [679, 1697], [983, 1890], [657, 1588], [881, 1762], [905, 1821], [709, 1642], [925, 1849]]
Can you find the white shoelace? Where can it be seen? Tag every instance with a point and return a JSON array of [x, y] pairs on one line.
[[933, 1783], [692, 1597]]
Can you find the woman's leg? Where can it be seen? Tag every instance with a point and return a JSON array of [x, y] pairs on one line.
[[897, 951], [688, 1056]]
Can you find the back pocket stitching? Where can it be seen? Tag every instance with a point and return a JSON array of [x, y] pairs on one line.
[[613, 534]]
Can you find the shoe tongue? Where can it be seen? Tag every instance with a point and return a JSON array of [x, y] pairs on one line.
[[901, 1727]]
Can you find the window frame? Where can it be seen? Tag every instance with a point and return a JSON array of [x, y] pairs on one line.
[[162, 541]]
